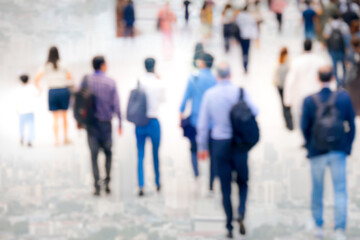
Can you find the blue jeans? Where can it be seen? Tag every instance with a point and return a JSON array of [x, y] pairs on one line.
[[337, 164], [338, 57], [151, 130], [27, 120], [310, 33]]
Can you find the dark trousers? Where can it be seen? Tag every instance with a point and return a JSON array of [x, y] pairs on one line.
[[279, 19], [194, 160], [245, 46], [228, 32], [229, 159], [99, 137], [286, 111]]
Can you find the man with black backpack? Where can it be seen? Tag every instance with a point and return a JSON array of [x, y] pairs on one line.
[[337, 36], [106, 103], [328, 127], [230, 113]]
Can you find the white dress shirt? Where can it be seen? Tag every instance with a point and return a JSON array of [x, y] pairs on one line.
[[155, 93], [302, 80], [248, 26]]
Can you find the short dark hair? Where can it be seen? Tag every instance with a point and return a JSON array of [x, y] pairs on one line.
[[150, 64], [97, 62], [325, 76], [208, 59], [335, 15], [307, 45], [24, 78]]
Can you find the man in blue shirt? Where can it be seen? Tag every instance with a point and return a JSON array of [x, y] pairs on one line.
[[215, 113], [335, 159], [196, 87], [309, 18]]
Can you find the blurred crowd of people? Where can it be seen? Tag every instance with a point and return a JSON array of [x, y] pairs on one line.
[[222, 125]]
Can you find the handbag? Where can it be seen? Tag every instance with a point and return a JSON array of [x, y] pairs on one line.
[[189, 129]]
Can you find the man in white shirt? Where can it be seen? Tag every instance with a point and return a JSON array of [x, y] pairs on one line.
[[301, 80], [248, 31], [155, 95]]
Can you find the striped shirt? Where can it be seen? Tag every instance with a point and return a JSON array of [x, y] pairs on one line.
[[106, 97]]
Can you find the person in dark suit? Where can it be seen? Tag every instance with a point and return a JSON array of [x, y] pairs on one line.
[[334, 158], [129, 19], [187, 14]]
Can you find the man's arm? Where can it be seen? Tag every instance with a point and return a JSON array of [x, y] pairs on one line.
[[307, 119], [350, 118], [116, 108], [203, 125], [187, 96], [251, 104]]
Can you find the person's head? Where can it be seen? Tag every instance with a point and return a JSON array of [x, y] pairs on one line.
[[223, 71], [307, 45], [227, 6], [53, 57], [335, 16], [199, 48], [150, 65], [99, 63], [205, 4], [283, 55], [24, 78], [205, 61], [326, 74], [246, 8], [308, 2]]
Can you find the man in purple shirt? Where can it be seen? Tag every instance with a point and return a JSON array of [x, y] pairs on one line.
[[106, 101]]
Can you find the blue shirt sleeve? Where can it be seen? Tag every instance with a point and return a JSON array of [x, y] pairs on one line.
[[350, 118], [203, 125], [251, 104], [307, 119], [187, 95]]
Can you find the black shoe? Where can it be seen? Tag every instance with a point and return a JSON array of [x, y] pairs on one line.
[[97, 192], [141, 193], [107, 189], [242, 227], [229, 235], [158, 188]]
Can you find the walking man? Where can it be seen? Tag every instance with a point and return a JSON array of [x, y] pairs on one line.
[[195, 90], [328, 142], [155, 95], [215, 113], [106, 101]]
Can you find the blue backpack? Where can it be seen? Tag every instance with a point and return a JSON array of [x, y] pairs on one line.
[[137, 107]]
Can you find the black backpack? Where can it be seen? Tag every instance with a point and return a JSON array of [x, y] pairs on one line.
[[328, 131], [137, 107], [336, 41], [246, 132], [84, 106]]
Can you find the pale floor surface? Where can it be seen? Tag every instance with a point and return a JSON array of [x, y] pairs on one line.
[[46, 191]]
